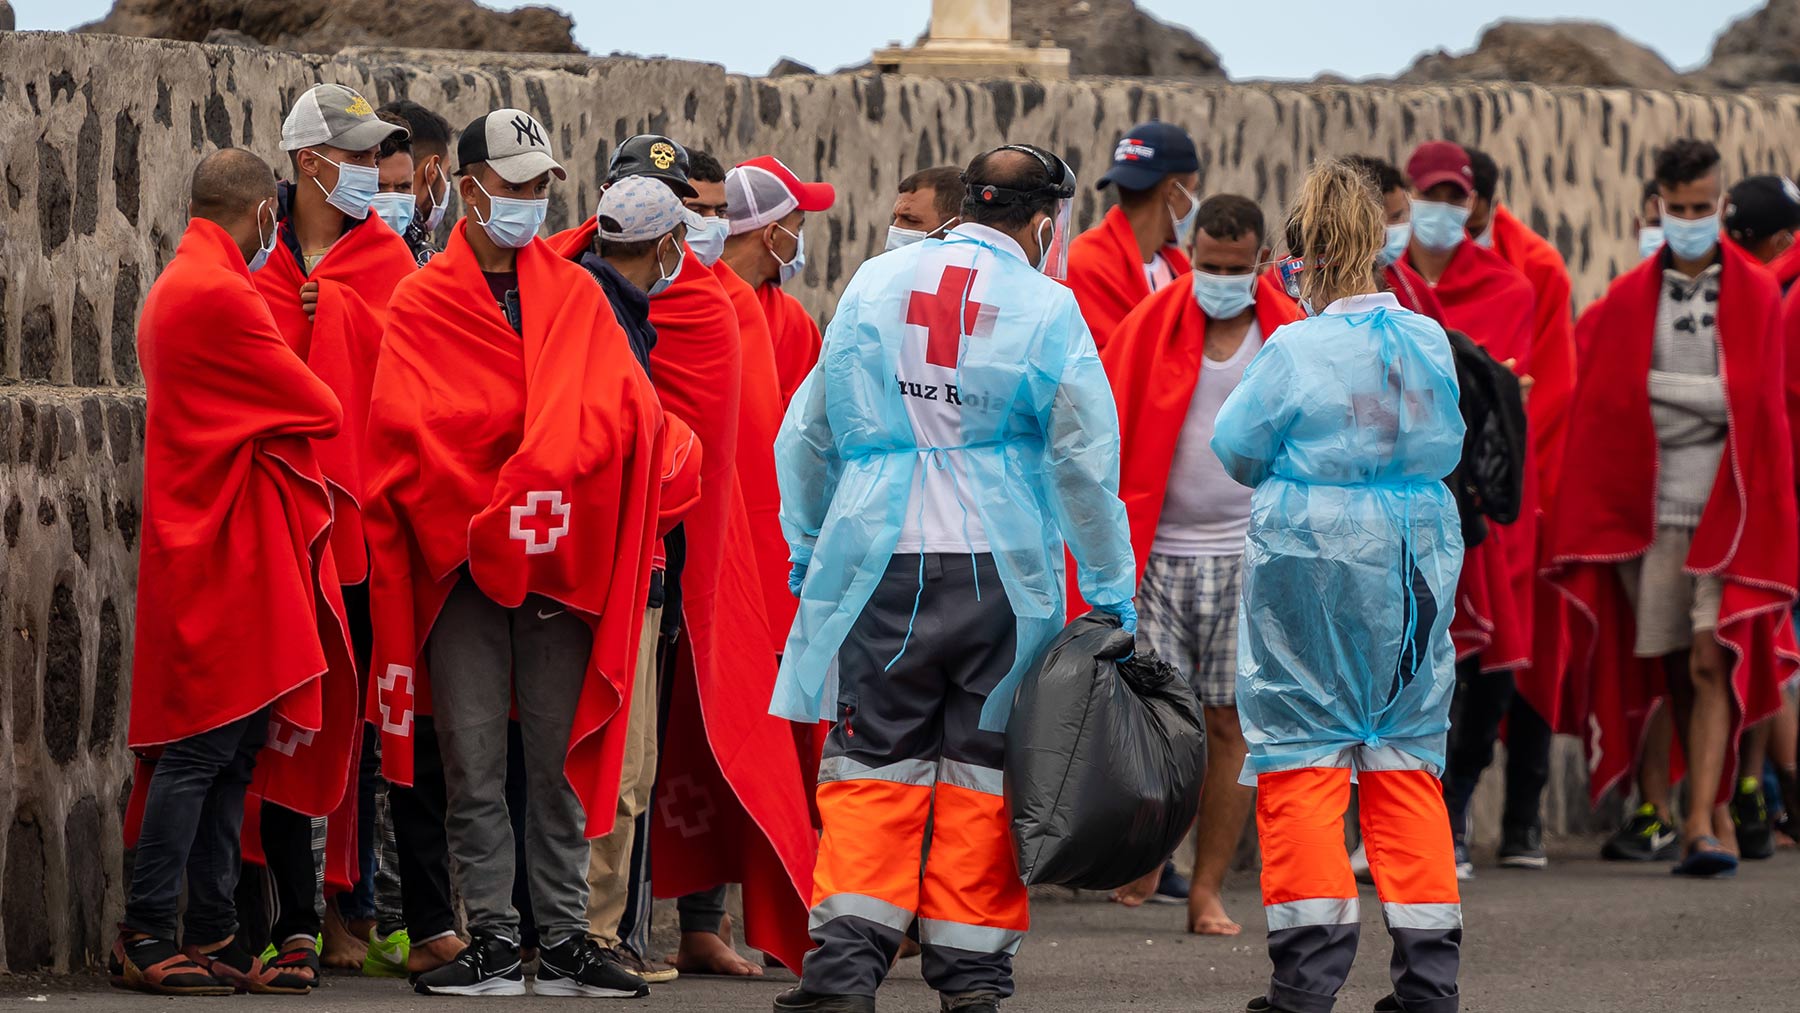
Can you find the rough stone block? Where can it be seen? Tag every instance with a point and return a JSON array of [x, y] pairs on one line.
[[89, 932], [62, 676], [25, 904]]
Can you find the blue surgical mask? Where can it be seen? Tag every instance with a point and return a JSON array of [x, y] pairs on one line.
[[1398, 236], [1650, 240], [1224, 296], [1691, 238], [1184, 226], [266, 242], [898, 237], [356, 185], [510, 222], [1437, 226], [791, 269], [395, 208], [663, 281], [708, 241], [439, 205]]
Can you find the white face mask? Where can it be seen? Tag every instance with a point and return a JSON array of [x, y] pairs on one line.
[[395, 208], [511, 222], [708, 241], [356, 185], [898, 237], [1184, 226], [791, 269], [1224, 296], [439, 205], [1650, 240], [266, 243], [663, 281]]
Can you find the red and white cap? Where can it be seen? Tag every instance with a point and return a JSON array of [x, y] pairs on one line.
[[762, 191]]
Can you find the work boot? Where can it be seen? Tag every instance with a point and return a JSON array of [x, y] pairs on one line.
[[799, 1000]]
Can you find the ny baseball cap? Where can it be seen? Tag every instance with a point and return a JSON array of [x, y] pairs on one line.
[[511, 142], [1148, 153], [637, 208], [1757, 207], [655, 156], [763, 191], [336, 117], [1437, 162]]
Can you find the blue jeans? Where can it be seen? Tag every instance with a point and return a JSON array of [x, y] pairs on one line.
[[193, 819]]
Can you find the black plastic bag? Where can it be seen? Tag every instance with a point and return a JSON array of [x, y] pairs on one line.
[[1104, 760]]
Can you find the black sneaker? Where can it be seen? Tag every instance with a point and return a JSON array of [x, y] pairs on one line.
[[1643, 838], [579, 967], [1387, 1004], [1261, 1004], [1750, 811], [799, 1000], [969, 1002], [490, 966], [1522, 848]]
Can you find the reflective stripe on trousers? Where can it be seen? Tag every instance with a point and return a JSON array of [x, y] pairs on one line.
[[1310, 895]]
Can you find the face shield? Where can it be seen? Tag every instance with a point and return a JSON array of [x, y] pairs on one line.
[[1059, 185], [1056, 252]]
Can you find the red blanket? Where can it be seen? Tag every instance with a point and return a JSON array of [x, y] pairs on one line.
[[1786, 267], [1106, 271], [1483, 297], [792, 331], [1154, 362], [736, 810], [1607, 514], [238, 604], [1407, 287], [765, 401], [1790, 344], [534, 460], [356, 280]]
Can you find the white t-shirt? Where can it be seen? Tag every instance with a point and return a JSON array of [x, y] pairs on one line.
[[1205, 512], [941, 515], [1158, 272]]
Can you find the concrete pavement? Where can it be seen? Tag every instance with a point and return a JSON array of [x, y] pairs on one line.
[[1583, 936]]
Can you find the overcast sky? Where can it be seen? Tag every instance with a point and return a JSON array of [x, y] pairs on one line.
[[1292, 39]]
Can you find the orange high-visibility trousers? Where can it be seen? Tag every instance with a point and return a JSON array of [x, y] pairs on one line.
[[1310, 895], [907, 748]]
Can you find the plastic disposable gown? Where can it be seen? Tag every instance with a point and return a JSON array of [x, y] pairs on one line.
[[1039, 456], [1346, 425]]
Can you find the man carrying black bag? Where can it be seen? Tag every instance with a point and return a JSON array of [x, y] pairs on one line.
[[957, 430]]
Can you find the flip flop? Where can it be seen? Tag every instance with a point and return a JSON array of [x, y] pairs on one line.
[[1706, 864]]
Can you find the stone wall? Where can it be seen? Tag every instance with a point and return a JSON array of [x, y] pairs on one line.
[[98, 135]]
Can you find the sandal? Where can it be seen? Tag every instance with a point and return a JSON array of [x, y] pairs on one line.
[[145, 964], [1700, 862]]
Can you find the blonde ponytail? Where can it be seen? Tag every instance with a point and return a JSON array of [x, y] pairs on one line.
[[1337, 221]]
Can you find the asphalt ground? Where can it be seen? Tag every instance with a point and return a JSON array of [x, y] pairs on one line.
[[1582, 936]]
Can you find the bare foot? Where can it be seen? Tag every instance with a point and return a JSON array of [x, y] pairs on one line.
[[706, 953], [1207, 917], [433, 955], [1135, 894], [342, 949]]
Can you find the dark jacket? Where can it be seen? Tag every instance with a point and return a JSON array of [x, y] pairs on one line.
[[1489, 483], [630, 305]]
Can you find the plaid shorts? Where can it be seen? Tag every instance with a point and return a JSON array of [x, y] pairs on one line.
[[1188, 609]]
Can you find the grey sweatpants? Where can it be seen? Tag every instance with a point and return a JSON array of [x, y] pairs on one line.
[[484, 657]]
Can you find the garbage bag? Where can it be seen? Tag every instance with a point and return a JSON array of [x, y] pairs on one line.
[[1104, 759]]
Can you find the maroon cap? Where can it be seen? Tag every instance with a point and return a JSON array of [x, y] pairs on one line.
[[1440, 162]]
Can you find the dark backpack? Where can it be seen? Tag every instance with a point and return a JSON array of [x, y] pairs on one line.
[[1489, 483]]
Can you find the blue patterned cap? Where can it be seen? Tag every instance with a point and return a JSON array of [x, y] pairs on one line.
[[637, 208]]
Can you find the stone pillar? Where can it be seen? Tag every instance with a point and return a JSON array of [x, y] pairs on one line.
[[973, 38]]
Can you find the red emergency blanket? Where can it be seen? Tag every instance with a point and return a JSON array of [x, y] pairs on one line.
[[1106, 272]]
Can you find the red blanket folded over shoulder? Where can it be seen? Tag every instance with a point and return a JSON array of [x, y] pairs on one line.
[[356, 279], [1606, 513], [534, 460], [794, 335], [238, 603], [1106, 272]]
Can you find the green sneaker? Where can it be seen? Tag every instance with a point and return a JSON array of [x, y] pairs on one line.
[[387, 957]]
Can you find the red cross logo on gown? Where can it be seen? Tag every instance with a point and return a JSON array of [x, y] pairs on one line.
[[541, 522], [287, 739], [394, 698], [937, 313]]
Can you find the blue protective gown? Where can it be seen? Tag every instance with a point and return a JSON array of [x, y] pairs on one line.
[[1039, 456], [1346, 425]]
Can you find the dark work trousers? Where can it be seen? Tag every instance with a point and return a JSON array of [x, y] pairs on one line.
[[515, 811], [193, 821], [359, 902], [1481, 702], [423, 851], [292, 847], [907, 752]]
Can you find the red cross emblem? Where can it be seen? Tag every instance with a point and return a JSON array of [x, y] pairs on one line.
[[394, 698], [686, 807], [541, 522], [938, 313], [287, 739]]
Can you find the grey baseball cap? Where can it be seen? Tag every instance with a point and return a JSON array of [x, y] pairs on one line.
[[637, 208], [511, 142], [337, 117]]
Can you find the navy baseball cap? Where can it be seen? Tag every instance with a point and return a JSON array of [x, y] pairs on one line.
[[1149, 152], [1757, 207]]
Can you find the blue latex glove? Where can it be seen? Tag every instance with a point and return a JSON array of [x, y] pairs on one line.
[[1126, 613], [797, 578]]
